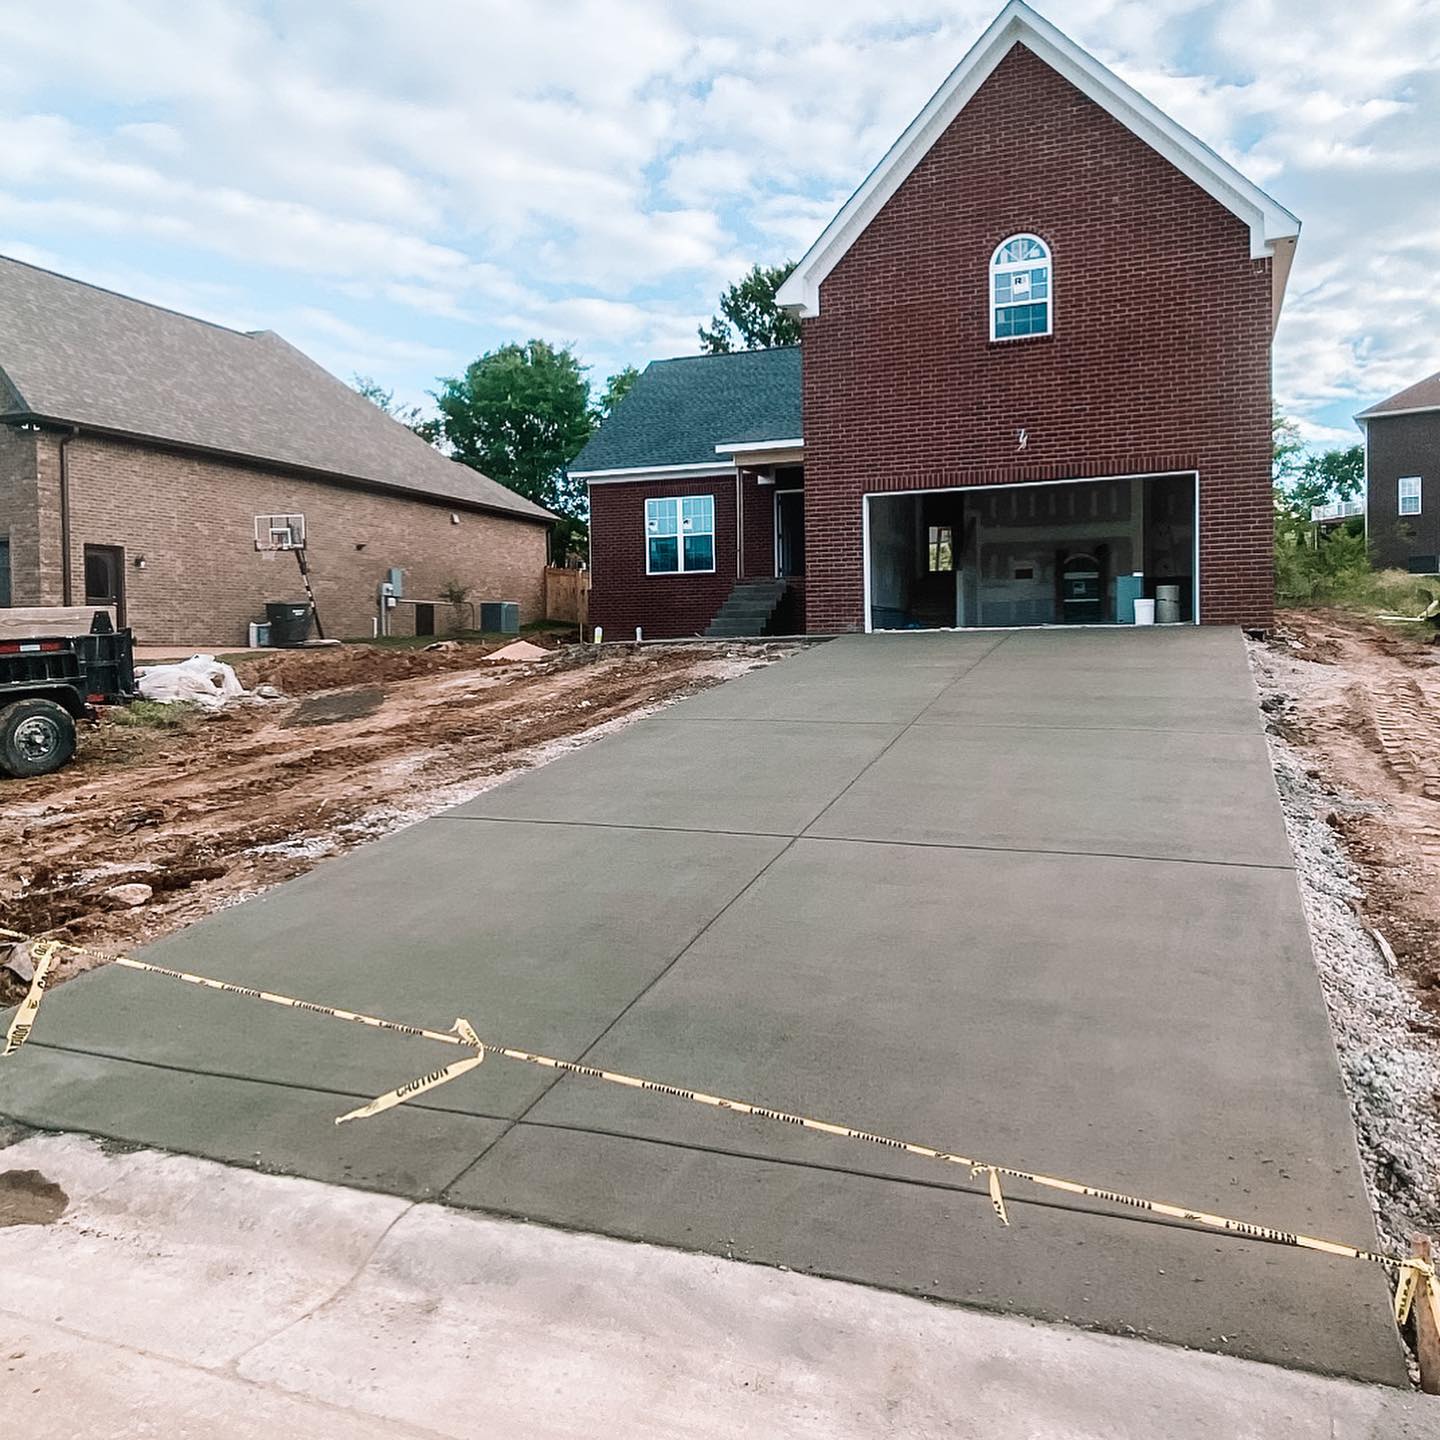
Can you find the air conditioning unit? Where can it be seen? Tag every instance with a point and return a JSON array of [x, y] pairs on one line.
[[500, 616]]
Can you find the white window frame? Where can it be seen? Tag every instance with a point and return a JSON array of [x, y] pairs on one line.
[[1004, 267], [1404, 492], [679, 501]]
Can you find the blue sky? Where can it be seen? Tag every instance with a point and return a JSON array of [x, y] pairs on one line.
[[397, 188]]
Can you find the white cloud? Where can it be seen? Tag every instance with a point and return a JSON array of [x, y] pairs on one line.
[[445, 175]]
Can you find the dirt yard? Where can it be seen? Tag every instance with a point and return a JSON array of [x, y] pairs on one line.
[[368, 740], [1353, 707], [1368, 715]]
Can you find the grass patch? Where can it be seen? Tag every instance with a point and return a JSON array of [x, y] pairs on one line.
[[153, 715]]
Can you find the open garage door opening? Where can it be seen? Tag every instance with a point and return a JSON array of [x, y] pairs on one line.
[[1078, 552]]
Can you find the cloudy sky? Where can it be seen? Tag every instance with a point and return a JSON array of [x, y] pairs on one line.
[[398, 187]]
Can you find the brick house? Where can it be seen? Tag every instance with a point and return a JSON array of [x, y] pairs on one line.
[[1033, 384], [1402, 458], [145, 454]]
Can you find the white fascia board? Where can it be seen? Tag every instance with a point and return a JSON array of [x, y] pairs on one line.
[[1366, 415], [1267, 220], [652, 472], [747, 447]]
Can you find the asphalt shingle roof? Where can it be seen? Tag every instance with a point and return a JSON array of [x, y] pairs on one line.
[[79, 355], [678, 411], [1423, 395]]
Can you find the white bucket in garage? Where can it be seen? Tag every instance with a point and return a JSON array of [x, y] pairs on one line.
[[1144, 612]]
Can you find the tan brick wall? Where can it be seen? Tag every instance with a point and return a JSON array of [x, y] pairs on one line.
[[18, 519], [192, 519]]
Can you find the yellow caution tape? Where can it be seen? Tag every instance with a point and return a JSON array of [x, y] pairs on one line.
[[997, 1198], [411, 1088], [42, 957], [1407, 1283], [1412, 1274]]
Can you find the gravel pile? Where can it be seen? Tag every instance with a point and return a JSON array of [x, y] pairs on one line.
[[1388, 1055]]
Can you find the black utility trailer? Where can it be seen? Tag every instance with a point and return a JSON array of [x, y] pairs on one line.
[[48, 682]]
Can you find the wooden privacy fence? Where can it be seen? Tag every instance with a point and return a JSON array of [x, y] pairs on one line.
[[567, 595]]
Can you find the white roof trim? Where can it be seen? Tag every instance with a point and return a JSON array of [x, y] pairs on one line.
[[745, 447], [1269, 221], [1373, 414], [653, 472]]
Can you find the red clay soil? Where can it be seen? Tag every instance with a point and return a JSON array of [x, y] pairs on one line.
[[232, 802], [1368, 718]]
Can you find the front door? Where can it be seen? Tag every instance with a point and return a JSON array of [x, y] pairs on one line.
[[789, 532], [105, 578]]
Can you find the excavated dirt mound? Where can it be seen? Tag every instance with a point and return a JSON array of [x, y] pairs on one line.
[[227, 804], [303, 672]]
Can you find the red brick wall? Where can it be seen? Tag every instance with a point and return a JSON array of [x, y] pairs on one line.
[[193, 520], [1159, 361], [665, 606]]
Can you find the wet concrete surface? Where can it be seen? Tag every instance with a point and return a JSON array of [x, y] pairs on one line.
[[1024, 896]]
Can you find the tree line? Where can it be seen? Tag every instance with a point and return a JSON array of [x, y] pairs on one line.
[[521, 413]]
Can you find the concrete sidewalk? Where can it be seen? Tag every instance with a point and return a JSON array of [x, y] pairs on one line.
[[1025, 896], [178, 1298]]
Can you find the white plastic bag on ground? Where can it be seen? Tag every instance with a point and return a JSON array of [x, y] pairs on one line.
[[202, 680]]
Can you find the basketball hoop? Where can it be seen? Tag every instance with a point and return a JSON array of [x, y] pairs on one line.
[[279, 532]]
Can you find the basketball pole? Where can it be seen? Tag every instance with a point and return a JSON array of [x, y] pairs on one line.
[[309, 589]]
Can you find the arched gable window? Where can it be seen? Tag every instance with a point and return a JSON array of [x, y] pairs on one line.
[[1021, 292]]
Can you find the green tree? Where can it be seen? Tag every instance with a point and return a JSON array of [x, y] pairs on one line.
[[428, 428], [520, 414], [749, 315], [617, 387], [1286, 449], [1315, 564], [1331, 475]]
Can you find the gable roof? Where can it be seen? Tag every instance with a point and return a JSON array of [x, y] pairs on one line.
[[74, 354], [1273, 229], [679, 411], [1422, 395]]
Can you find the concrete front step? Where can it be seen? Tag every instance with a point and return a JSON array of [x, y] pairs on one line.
[[747, 609]]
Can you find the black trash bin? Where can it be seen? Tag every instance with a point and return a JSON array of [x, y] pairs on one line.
[[289, 621]]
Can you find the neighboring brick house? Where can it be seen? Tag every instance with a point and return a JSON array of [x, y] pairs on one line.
[[1402, 478], [140, 449], [1034, 383]]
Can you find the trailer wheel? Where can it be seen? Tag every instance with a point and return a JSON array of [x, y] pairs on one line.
[[36, 737]]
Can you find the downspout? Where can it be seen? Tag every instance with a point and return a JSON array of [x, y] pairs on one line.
[[67, 585]]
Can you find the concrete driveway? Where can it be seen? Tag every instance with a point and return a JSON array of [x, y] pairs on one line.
[[1028, 896]]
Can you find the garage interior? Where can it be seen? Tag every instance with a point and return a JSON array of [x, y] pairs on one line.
[[1066, 553]]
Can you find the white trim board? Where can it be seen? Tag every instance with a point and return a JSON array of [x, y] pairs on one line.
[[655, 472], [745, 447], [1365, 416], [1273, 229]]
